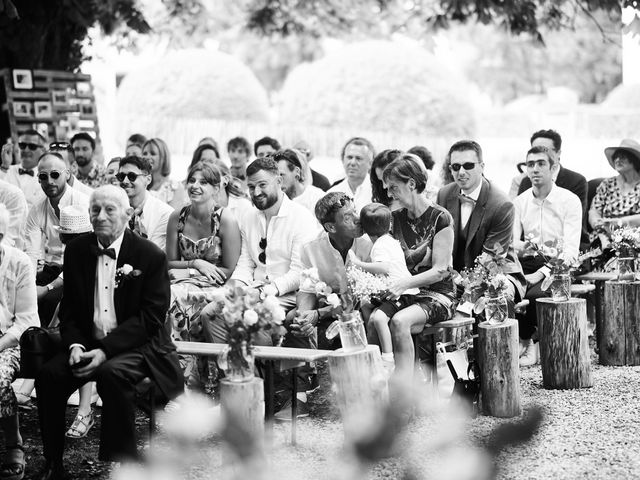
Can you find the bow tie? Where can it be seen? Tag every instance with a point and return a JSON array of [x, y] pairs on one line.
[[109, 252], [466, 198], [24, 171]]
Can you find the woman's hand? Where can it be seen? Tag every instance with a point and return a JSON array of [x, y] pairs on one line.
[[210, 271], [398, 287]]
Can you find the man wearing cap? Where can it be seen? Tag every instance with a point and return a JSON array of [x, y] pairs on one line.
[[24, 175], [15, 202], [292, 170], [42, 241], [150, 215], [617, 199]]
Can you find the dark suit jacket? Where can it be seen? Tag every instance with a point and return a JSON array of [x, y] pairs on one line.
[[491, 221], [575, 183], [141, 305], [320, 181]]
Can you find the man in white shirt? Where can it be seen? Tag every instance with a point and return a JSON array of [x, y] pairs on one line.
[[112, 318], [13, 198], [357, 156], [545, 212], [150, 215], [292, 170], [23, 176]]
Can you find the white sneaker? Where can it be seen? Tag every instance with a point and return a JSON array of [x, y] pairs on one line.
[[531, 355], [523, 346]]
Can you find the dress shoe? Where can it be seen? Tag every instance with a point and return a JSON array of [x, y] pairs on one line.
[[53, 471]]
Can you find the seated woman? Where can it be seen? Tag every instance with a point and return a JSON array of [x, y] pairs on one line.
[[378, 192], [425, 232], [203, 246], [18, 311], [617, 199], [167, 190]]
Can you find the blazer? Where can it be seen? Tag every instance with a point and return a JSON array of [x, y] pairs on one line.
[[141, 305], [491, 221]]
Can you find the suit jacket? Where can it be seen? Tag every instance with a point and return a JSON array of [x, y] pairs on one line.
[[491, 221], [141, 305]]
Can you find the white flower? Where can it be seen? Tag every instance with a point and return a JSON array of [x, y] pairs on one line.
[[126, 269], [333, 300], [250, 317], [269, 290], [320, 288]]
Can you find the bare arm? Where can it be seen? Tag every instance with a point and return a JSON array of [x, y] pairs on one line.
[[231, 242]]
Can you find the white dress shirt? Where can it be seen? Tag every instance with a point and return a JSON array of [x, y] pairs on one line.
[[104, 313], [82, 187], [291, 228], [362, 195], [309, 198], [466, 208], [29, 185], [13, 198], [42, 240], [557, 217], [154, 218]]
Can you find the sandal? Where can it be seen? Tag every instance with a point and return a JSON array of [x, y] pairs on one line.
[[81, 425], [13, 464]]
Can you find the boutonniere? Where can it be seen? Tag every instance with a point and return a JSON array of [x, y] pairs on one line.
[[126, 271]]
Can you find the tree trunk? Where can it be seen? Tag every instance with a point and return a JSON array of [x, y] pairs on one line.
[[243, 404], [499, 370], [620, 340], [564, 343]]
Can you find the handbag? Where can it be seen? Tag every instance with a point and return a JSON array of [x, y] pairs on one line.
[[466, 390], [37, 346]]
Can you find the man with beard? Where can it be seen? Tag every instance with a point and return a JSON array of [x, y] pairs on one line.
[[292, 170], [357, 156], [42, 241], [89, 172], [150, 214], [24, 176], [65, 149]]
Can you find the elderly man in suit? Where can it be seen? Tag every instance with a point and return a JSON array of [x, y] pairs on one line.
[[112, 315], [482, 214]]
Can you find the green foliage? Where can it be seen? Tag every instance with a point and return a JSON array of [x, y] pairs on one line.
[[194, 84], [378, 85]]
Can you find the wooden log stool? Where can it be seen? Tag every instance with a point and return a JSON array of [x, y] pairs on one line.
[[498, 349], [620, 339], [564, 343], [244, 402], [359, 384]]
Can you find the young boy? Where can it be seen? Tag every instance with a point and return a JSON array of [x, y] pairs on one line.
[[387, 258]]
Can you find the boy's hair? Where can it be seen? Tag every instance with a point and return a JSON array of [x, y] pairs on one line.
[[375, 219]]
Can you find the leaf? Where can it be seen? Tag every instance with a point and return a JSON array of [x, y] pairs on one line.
[[478, 307]]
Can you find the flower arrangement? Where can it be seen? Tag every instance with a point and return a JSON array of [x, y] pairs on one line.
[[625, 241], [365, 286], [486, 278], [124, 272], [310, 280], [551, 252]]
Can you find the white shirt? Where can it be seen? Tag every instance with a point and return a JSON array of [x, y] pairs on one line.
[[288, 231], [82, 187], [104, 313], [362, 195], [239, 206], [309, 198], [29, 185], [13, 198], [388, 250], [466, 208], [557, 217], [154, 218], [42, 240]]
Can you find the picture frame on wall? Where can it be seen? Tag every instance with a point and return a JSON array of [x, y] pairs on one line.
[[43, 109], [22, 109], [22, 79], [59, 98], [83, 89]]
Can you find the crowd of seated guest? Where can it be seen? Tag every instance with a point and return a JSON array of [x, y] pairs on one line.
[[261, 223]]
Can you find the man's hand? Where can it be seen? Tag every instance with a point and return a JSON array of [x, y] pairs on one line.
[[305, 323], [178, 273], [96, 358], [7, 155], [397, 287]]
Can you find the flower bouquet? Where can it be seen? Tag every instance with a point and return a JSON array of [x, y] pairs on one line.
[[561, 267], [366, 287], [245, 311], [310, 281]]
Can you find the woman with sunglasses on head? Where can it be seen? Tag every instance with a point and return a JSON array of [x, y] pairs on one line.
[[169, 191], [203, 246]]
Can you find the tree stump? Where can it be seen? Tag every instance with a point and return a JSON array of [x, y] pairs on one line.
[[564, 343], [498, 350], [620, 338], [359, 385], [242, 404]]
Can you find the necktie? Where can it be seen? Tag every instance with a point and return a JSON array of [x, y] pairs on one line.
[[109, 252], [465, 198], [25, 171]]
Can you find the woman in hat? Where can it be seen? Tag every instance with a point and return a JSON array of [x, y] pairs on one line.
[[617, 200]]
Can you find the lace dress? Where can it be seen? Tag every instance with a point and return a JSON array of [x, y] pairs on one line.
[[190, 295]]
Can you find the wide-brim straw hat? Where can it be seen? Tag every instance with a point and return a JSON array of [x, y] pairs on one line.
[[627, 145], [74, 219]]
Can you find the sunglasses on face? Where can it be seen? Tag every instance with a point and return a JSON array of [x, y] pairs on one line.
[[467, 166], [31, 146], [54, 174], [131, 176], [262, 257]]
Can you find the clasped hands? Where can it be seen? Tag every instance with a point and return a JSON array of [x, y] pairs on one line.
[[304, 323], [77, 356]]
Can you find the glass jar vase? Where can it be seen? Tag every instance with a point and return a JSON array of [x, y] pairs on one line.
[[237, 362], [352, 333], [626, 269], [560, 287], [496, 309]]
